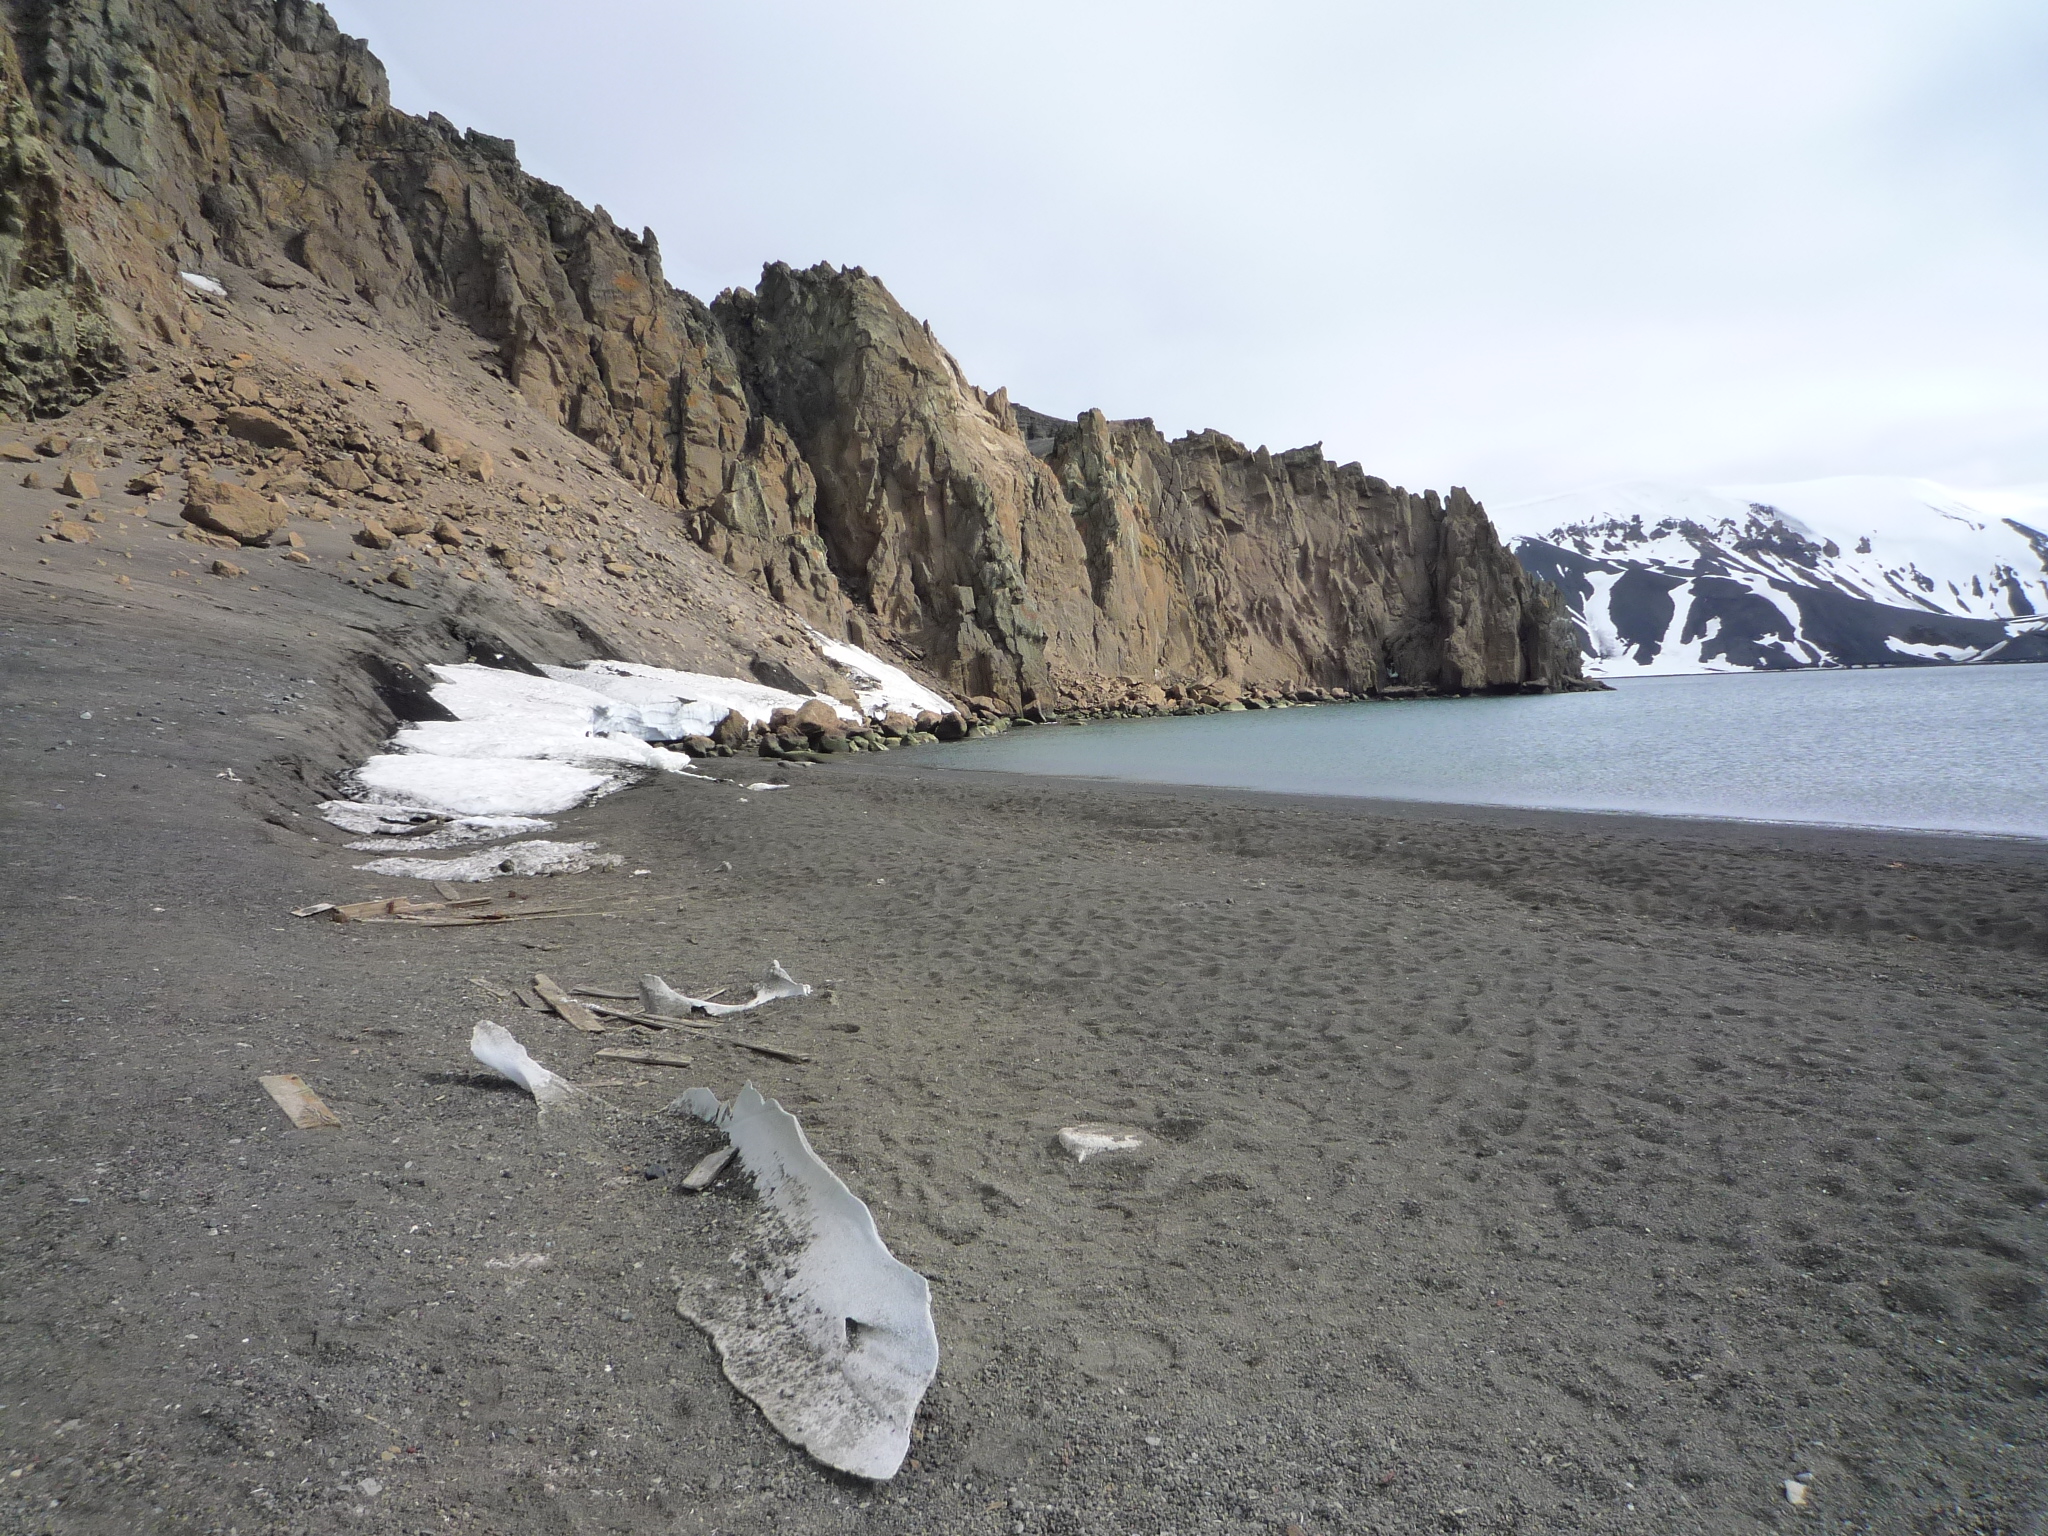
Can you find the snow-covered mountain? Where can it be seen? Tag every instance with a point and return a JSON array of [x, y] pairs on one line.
[[1854, 571]]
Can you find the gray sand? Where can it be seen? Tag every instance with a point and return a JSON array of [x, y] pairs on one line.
[[1507, 1172]]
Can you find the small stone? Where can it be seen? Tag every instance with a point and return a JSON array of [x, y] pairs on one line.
[[32, 481], [227, 568], [247, 388], [71, 533], [401, 577], [54, 447], [146, 485], [554, 552], [446, 444], [447, 533], [78, 483], [620, 568], [17, 453], [478, 465], [374, 535], [405, 521], [297, 557]]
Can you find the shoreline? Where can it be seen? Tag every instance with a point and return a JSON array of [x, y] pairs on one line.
[[1560, 818]]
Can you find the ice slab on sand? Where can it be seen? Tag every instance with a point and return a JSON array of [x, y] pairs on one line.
[[1086, 1141], [493, 1045], [815, 1320], [664, 1001], [470, 786], [395, 827], [537, 857]]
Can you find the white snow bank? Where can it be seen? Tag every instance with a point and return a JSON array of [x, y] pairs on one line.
[[474, 786], [199, 282], [538, 857], [828, 1332], [881, 687], [695, 700]]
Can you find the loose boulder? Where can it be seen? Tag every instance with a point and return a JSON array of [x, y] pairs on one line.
[[221, 506], [255, 425], [816, 717]]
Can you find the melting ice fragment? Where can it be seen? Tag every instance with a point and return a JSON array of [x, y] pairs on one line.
[[493, 1045], [665, 1002], [1085, 1141], [816, 1321], [537, 856]]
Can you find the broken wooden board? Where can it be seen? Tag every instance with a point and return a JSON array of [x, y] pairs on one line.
[[565, 1005], [699, 1178], [299, 1102], [702, 1032], [762, 1048], [644, 1058]]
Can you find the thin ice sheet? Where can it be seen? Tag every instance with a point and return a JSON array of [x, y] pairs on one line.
[[815, 1320]]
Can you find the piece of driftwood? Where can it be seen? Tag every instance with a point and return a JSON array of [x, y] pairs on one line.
[[610, 997], [565, 1005], [648, 1020], [478, 919], [702, 1032], [490, 988], [699, 1178], [299, 1102], [644, 1058], [762, 1048]]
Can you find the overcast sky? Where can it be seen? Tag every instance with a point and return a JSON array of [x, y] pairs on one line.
[[1516, 245]]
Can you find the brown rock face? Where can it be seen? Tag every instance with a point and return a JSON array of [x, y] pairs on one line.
[[221, 506], [814, 438], [1099, 550]]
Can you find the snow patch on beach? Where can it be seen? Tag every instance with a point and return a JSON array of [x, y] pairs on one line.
[[523, 747], [880, 686]]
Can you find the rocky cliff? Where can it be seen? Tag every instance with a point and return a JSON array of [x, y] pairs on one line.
[[810, 436]]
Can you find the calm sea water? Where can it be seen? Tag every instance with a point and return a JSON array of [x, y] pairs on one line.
[[1960, 749]]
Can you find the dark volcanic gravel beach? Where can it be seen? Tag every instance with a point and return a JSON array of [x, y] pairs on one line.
[[1506, 1172]]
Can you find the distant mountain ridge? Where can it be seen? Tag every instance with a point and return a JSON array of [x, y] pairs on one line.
[[1855, 571]]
